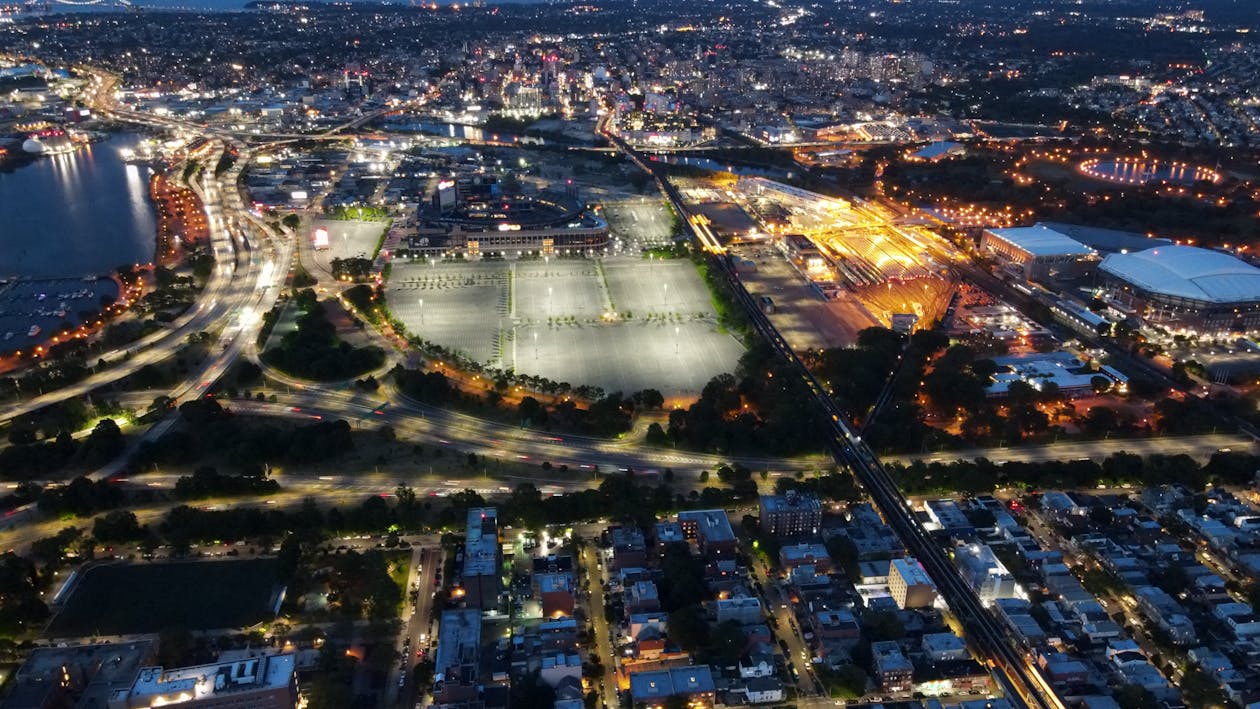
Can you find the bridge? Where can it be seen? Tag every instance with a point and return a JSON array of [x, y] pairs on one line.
[[48, 5]]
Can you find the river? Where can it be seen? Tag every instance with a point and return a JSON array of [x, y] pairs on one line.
[[77, 214]]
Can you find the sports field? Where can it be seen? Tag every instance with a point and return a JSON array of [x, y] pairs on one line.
[[622, 323]]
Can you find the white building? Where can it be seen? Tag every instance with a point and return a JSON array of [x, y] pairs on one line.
[[910, 585], [986, 575]]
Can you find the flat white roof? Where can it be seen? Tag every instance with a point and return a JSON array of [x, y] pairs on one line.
[[1188, 272], [1041, 240], [912, 572], [203, 681]]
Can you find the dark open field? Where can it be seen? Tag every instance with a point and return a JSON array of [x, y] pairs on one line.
[[123, 599]]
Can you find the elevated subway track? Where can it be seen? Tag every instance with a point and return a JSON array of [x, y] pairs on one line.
[[1021, 680]]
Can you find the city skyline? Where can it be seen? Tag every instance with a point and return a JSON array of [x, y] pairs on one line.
[[630, 354]]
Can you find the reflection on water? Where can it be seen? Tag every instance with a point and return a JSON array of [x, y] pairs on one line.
[[708, 164], [76, 214]]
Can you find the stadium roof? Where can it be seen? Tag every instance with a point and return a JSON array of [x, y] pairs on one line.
[[1107, 240], [1188, 272], [938, 149], [1041, 240]]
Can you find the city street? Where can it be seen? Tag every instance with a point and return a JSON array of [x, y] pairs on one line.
[[592, 560], [418, 629]]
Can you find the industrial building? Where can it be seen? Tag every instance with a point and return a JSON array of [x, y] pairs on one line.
[[1184, 288], [1038, 253], [1064, 370]]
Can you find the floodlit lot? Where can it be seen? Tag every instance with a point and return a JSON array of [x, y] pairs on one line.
[[551, 318], [348, 239], [677, 358], [657, 287], [638, 223], [543, 291], [460, 306]]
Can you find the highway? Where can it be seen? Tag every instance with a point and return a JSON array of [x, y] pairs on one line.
[[216, 302], [1022, 680], [1200, 447]]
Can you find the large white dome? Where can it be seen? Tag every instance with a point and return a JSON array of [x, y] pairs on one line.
[[33, 146]]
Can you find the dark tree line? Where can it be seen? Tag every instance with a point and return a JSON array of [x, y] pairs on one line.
[[313, 350], [209, 429], [208, 482], [28, 458], [981, 476], [762, 408], [607, 415]]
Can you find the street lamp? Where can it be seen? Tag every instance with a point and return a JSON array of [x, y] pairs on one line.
[[675, 340], [421, 302], [535, 345]]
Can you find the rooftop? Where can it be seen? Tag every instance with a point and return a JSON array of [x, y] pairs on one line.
[[912, 572], [711, 525], [1041, 240], [941, 642], [937, 150], [804, 552], [1188, 272], [106, 667], [659, 684], [790, 502], [553, 583], [481, 546], [1106, 240], [459, 640], [626, 538], [160, 686]]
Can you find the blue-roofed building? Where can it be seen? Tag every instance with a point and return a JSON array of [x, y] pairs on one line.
[[695, 684], [938, 151]]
